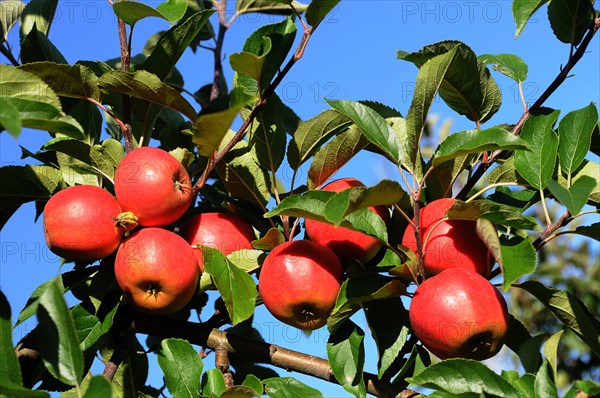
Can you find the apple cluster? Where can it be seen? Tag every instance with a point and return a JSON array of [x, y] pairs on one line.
[[157, 269], [455, 312]]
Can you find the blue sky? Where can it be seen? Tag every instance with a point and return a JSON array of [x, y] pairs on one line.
[[351, 56]]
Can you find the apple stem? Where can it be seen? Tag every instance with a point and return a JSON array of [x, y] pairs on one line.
[[417, 227]]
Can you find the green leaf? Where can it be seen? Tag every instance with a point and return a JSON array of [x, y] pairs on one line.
[[538, 163], [22, 184], [268, 7], [569, 310], [10, 12], [429, 80], [272, 238], [576, 196], [590, 169], [43, 116], [254, 383], [476, 141], [132, 11], [312, 134], [101, 159], [267, 139], [544, 385], [173, 10], [518, 259], [269, 46], [506, 172], [76, 81], [466, 84], [10, 118], [251, 64], [89, 329], [591, 231], [359, 290], [523, 10], [494, 212], [60, 347], [524, 345], [286, 387], [551, 352], [575, 137], [386, 192], [346, 353], [210, 129], [99, 387], [10, 371], [11, 390], [333, 155], [373, 126], [236, 287], [38, 13], [570, 19], [462, 376], [317, 11], [507, 64], [213, 383], [39, 107], [37, 47], [390, 332], [148, 87], [173, 43], [242, 176], [312, 205], [132, 372], [182, 367]]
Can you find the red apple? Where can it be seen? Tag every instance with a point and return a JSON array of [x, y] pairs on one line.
[[299, 283], [79, 223], [448, 243], [152, 184], [459, 313], [349, 245], [223, 231], [156, 270]]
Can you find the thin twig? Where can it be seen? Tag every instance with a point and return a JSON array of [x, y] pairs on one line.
[[550, 229], [254, 112], [125, 64], [110, 367]]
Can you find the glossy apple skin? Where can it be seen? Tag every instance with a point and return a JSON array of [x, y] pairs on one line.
[[449, 243], [459, 314], [223, 231], [79, 223], [157, 271], [349, 245], [299, 283], [152, 184]]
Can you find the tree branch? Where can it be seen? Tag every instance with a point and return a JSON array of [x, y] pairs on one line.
[[558, 80], [257, 108], [550, 229], [204, 335], [125, 64]]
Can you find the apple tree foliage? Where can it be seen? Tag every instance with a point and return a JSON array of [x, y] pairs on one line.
[[532, 177]]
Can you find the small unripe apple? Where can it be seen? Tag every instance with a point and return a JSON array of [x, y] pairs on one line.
[[152, 184], [299, 283], [156, 270], [79, 223], [459, 314], [223, 231], [448, 243], [349, 245]]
